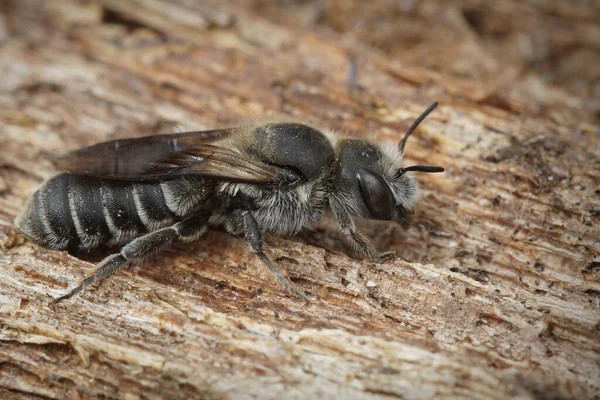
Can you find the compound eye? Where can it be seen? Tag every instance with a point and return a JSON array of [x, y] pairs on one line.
[[376, 194]]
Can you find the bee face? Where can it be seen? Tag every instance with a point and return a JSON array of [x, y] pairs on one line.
[[370, 181], [404, 187]]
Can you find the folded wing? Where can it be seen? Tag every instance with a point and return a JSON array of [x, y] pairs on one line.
[[171, 156]]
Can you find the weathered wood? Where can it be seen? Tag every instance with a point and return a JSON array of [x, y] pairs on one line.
[[499, 295]]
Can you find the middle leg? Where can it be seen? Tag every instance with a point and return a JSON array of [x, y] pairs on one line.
[[246, 222]]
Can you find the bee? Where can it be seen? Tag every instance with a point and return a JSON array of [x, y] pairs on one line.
[[279, 177]]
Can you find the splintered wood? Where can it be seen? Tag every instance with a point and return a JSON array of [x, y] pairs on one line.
[[496, 290]]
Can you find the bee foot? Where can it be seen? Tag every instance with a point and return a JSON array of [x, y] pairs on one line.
[[389, 256]]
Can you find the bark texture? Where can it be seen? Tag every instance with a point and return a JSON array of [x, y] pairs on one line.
[[496, 291]]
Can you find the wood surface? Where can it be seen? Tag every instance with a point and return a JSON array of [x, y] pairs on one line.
[[496, 290]]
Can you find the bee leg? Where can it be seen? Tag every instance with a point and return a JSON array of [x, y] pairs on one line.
[[254, 238], [187, 230], [348, 229]]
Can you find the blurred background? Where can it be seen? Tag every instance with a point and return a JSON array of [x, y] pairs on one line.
[[533, 54], [542, 56]]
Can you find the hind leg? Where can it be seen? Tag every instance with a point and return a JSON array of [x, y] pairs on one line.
[[152, 243]]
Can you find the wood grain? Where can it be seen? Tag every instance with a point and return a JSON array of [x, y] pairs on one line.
[[496, 291]]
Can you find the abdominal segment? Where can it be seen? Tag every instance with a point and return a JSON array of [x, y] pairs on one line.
[[73, 212]]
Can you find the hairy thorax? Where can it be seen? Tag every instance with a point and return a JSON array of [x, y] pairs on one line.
[[284, 211]]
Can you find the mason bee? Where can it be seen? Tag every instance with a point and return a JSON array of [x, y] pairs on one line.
[[278, 177]]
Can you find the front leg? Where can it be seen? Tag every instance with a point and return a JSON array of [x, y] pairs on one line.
[[246, 223], [348, 229], [187, 230]]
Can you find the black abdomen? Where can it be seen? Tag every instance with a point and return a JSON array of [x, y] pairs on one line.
[[77, 212]]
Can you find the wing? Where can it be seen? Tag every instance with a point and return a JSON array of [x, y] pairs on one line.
[[131, 158], [171, 156], [219, 163]]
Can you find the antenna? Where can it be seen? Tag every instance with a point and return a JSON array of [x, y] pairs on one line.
[[419, 168], [414, 126], [423, 168]]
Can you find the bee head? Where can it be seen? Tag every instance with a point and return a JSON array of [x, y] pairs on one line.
[[372, 182]]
